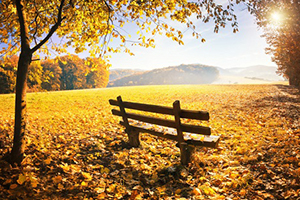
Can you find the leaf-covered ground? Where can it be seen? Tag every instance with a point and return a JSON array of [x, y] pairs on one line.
[[77, 150]]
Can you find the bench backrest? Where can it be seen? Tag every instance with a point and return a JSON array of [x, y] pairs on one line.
[[175, 111]]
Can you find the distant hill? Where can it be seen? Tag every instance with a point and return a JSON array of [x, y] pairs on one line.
[[195, 74], [182, 74], [120, 73]]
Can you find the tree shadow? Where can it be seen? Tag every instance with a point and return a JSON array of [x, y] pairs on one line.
[[284, 105], [275, 146], [292, 90]]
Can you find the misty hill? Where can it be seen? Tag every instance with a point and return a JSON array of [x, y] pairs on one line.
[[258, 72], [182, 74], [120, 73]]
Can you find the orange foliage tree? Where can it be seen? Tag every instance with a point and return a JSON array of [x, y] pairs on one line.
[[97, 73], [280, 21]]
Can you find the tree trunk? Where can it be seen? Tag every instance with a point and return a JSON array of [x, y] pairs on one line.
[[17, 153], [292, 81]]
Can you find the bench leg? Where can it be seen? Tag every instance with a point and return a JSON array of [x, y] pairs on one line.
[[134, 139], [185, 153]]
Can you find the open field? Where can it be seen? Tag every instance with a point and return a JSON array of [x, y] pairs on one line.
[[76, 149]]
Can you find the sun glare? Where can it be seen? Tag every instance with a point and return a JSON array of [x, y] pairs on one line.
[[276, 17]]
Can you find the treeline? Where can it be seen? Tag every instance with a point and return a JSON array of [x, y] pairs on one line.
[[62, 73]]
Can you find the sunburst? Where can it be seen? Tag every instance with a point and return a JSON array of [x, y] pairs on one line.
[[276, 17]]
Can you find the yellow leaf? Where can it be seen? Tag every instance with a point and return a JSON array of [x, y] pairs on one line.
[[207, 190], [83, 183], [65, 167], [178, 191], [99, 189], [7, 181], [243, 192], [60, 186], [196, 191], [105, 170], [75, 169], [297, 171], [13, 186], [33, 181], [234, 175], [21, 179], [34, 184], [87, 176], [57, 179], [111, 188], [48, 161]]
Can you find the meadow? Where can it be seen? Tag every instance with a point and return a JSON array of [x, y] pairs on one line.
[[76, 148]]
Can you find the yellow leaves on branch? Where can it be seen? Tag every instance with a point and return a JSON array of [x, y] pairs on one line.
[[87, 23]]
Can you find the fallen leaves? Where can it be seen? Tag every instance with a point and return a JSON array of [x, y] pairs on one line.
[[21, 179], [76, 149], [57, 179]]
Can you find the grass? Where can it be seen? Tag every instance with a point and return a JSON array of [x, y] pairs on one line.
[[77, 149]]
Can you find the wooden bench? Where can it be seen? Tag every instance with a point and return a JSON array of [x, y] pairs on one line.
[[182, 133]]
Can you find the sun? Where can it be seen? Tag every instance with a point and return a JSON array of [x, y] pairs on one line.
[[276, 17]]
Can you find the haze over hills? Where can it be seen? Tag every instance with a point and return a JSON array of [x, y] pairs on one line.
[[195, 74], [120, 73], [182, 74], [258, 74]]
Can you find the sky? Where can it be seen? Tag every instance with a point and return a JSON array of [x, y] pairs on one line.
[[224, 49]]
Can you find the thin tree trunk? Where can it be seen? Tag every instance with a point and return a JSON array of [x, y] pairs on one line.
[[17, 153]]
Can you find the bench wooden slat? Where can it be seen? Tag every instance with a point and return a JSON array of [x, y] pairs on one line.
[[165, 122], [189, 114], [212, 141], [152, 132], [203, 130], [209, 141]]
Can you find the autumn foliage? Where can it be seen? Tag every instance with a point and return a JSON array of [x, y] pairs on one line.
[[282, 34], [77, 149], [62, 73]]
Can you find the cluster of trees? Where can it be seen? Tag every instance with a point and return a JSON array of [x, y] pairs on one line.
[[62, 73], [280, 20]]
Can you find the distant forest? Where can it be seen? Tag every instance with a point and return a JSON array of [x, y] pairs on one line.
[[62, 73], [182, 74]]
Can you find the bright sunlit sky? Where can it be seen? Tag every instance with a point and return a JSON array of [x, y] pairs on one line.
[[224, 49]]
